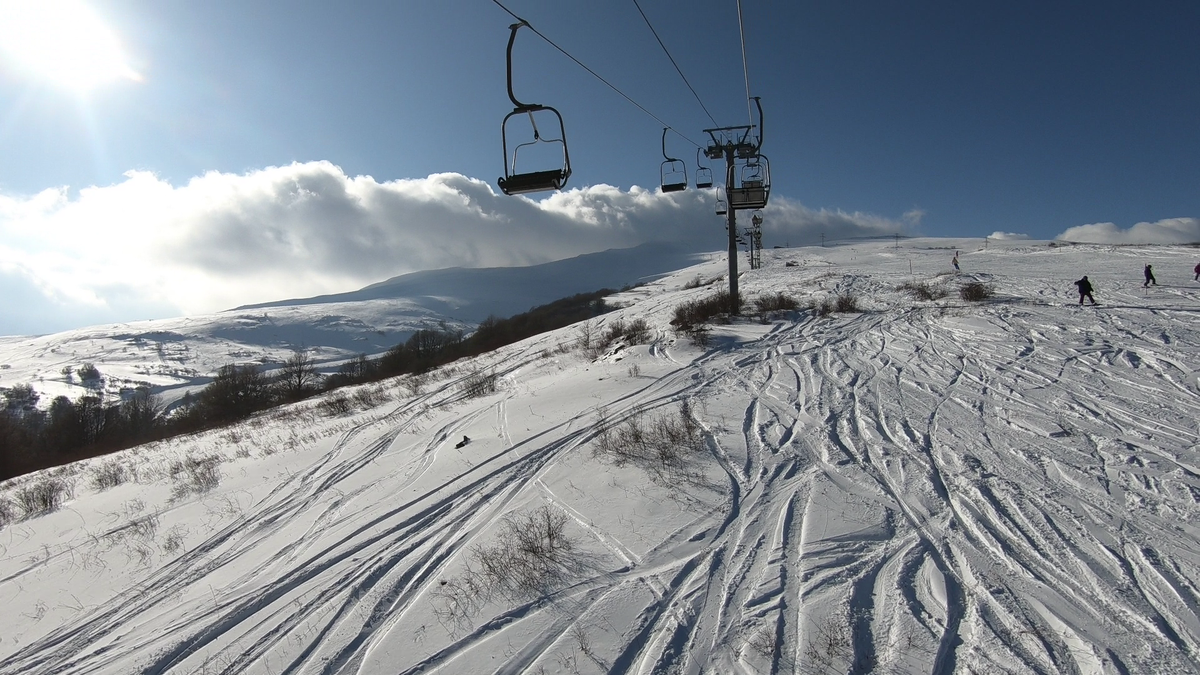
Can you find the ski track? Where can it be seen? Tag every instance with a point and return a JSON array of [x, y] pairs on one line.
[[884, 500]]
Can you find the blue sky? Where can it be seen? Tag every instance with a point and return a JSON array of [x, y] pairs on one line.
[[937, 118]]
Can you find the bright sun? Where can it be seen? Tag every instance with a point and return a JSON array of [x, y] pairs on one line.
[[62, 42]]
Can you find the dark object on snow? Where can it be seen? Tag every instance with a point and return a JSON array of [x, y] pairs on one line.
[[1149, 277], [1085, 289], [463, 442], [1197, 271]]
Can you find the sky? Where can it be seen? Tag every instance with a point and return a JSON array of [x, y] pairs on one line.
[[162, 158]]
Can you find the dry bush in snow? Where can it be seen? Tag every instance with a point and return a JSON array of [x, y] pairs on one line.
[[975, 291], [923, 291], [8, 512], [335, 403], [531, 557], [109, 475], [479, 383], [765, 305], [663, 446], [42, 496], [196, 475]]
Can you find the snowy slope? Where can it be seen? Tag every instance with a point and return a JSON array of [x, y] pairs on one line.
[[924, 486], [173, 356]]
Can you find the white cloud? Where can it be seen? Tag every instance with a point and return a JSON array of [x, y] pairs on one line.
[[1167, 231], [1009, 236], [143, 247]]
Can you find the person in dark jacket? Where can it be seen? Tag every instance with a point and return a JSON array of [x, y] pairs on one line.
[[1085, 289], [1149, 277], [1197, 271]]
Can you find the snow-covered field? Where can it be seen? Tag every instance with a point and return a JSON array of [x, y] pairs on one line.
[[923, 486]]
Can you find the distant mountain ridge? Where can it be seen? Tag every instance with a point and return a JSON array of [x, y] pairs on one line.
[[472, 294]]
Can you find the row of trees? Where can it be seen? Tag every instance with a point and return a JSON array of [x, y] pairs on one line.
[[33, 438]]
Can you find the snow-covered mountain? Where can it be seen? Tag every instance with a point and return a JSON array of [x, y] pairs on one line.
[[173, 356], [935, 486]]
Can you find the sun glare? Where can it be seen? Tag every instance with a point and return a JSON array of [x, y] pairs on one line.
[[61, 42]]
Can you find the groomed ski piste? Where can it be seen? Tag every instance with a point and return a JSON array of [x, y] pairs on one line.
[[921, 486]]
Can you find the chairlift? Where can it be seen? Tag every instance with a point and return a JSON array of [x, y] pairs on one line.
[[514, 183], [673, 172], [754, 188], [704, 175], [756, 218], [722, 205]]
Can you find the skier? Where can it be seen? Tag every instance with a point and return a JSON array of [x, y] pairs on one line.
[[1085, 289], [463, 442], [955, 262], [1149, 277], [1197, 271]]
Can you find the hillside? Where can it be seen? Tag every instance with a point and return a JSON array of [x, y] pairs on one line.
[[920, 486], [170, 357]]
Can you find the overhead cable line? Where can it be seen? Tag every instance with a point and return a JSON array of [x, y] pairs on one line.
[[745, 68], [595, 74], [677, 69]]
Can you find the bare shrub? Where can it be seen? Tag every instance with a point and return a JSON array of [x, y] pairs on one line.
[[335, 403], [766, 305], [663, 446], [109, 475], [173, 543], [846, 302], [531, 557], [923, 291], [414, 384], [479, 383], [586, 339], [696, 282], [696, 312], [699, 336], [975, 291], [369, 397], [8, 511], [89, 372], [637, 332], [829, 643], [196, 475], [779, 302], [822, 308], [43, 496]]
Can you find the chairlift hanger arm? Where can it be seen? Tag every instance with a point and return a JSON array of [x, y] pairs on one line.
[[512, 37]]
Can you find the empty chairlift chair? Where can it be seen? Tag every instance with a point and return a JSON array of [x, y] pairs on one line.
[[554, 178], [754, 188]]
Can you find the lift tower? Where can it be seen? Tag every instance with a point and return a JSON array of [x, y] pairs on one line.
[[746, 191]]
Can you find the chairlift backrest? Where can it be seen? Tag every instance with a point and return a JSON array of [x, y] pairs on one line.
[[554, 178], [722, 205]]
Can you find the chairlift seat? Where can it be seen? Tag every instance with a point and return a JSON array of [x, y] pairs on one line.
[[674, 187], [536, 181], [751, 195]]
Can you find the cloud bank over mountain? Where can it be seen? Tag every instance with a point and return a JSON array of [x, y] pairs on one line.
[[1166, 231], [145, 248]]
